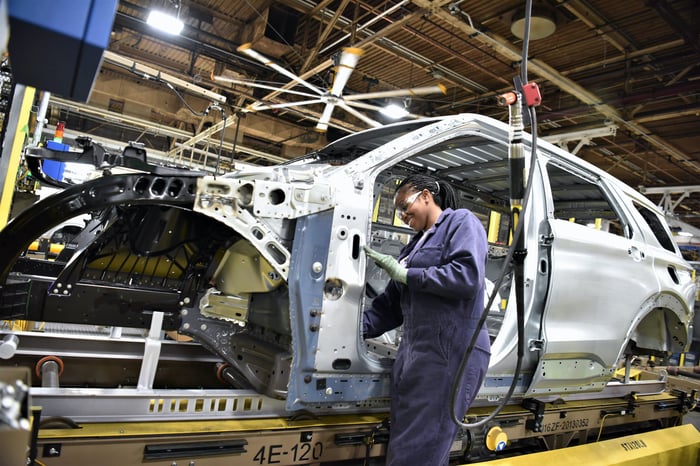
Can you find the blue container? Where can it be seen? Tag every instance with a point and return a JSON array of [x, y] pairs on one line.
[[690, 359], [53, 169]]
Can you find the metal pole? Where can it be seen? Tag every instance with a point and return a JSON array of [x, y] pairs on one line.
[[151, 353], [40, 117], [49, 374]]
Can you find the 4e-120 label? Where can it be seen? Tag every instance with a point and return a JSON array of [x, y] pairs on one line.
[[277, 454]]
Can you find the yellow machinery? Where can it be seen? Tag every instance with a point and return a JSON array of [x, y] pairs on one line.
[[674, 446], [618, 427]]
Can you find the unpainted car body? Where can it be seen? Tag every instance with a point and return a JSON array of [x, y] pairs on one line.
[[264, 266]]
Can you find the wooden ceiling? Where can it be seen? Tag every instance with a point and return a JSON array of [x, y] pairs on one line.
[[620, 80]]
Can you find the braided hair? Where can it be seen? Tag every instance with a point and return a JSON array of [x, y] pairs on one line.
[[443, 193]]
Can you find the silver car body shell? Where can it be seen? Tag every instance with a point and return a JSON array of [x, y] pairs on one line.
[[588, 293]]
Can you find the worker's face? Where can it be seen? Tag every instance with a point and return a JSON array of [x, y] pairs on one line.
[[411, 207]]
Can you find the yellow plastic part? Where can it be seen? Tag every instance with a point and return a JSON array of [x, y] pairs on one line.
[[55, 249], [494, 226], [674, 446], [245, 270], [496, 439], [635, 374], [354, 51]]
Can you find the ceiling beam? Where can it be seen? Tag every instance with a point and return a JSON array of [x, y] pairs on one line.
[[597, 23], [311, 56], [671, 16], [151, 127], [153, 74], [504, 48]]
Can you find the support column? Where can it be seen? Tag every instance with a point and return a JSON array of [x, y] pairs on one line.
[[18, 119]]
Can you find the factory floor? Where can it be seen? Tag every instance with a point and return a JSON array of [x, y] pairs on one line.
[[693, 418]]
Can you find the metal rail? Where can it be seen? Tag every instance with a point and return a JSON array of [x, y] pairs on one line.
[[134, 405]]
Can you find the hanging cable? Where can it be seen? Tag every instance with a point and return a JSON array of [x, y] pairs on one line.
[[517, 225], [212, 106], [160, 80], [179, 96], [520, 194], [216, 106], [235, 134]]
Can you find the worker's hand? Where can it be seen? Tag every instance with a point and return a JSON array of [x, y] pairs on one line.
[[395, 270]]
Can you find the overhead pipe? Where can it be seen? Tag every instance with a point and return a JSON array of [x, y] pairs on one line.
[[692, 372]]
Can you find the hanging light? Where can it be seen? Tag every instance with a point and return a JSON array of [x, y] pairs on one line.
[[394, 111], [543, 22], [165, 21]]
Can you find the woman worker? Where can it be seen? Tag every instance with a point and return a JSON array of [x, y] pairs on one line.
[[437, 293]]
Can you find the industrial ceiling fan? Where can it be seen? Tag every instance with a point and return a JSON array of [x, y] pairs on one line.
[[332, 97]]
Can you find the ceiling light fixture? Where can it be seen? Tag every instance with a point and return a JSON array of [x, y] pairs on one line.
[[437, 73], [394, 111], [165, 21], [543, 23]]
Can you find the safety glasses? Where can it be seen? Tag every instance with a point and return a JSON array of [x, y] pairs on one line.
[[401, 209]]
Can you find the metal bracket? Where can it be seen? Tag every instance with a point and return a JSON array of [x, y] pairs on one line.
[[535, 345], [546, 240], [536, 407], [686, 401]]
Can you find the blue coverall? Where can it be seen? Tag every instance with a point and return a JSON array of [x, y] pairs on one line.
[[439, 309]]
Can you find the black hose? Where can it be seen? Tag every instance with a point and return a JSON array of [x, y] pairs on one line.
[[517, 253], [518, 238]]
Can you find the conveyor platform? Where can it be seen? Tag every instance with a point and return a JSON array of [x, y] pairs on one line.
[[329, 439], [218, 425]]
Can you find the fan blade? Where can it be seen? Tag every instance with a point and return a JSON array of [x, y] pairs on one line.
[[256, 107], [243, 82], [322, 124], [248, 50], [359, 115], [398, 93], [348, 60]]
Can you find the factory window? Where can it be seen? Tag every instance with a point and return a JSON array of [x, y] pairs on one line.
[[581, 200], [116, 106]]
